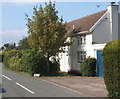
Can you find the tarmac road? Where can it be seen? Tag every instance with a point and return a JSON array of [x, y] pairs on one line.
[[17, 85]]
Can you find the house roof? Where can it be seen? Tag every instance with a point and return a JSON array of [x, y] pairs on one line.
[[83, 24]]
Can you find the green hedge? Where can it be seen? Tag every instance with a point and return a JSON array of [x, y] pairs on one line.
[[88, 67], [7, 57], [29, 61], [111, 63]]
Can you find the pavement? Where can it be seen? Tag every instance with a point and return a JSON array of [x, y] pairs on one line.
[[91, 86]]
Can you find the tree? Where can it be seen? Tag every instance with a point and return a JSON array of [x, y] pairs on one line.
[[2, 48], [46, 30], [9, 47], [23, 44]]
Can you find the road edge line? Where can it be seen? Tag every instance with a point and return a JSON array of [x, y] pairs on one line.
[[6, 77], [25, 88]]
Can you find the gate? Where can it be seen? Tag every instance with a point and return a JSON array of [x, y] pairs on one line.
[[99, 63]]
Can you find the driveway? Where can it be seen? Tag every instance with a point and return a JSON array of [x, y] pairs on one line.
[[91, 86]]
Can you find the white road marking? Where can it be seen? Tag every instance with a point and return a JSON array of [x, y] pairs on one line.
[[25, 88], [6, 77]]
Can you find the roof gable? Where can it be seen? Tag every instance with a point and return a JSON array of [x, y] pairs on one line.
[[84, 24]]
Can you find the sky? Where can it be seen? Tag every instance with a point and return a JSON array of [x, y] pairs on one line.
[[12, 19]]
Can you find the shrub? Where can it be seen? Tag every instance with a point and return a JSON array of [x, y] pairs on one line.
[[111, 63], [54, 67], [29, 61], [8, 55], [33, 62], [88, 67]]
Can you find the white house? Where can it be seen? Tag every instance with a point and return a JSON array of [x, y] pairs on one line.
[[90, 34]]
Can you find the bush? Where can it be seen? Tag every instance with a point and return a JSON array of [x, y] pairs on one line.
[[54, 67], [8, 55], [111, 63], [88, 67], [33, 62], [29, 61]]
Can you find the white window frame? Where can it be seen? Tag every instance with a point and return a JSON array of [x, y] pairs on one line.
[[81, 40], [81, 56]]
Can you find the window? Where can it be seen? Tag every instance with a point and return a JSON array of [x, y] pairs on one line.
[[81, 56], [81, 40]]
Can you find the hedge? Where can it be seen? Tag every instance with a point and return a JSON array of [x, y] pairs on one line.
[[111, 63], [88, 67], [29, 61]]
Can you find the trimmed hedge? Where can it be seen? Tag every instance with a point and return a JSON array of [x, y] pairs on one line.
[[88, 67], [29, 61], [111, 63]]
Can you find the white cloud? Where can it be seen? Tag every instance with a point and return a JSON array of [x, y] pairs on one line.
[[14, 32], [11, 36]]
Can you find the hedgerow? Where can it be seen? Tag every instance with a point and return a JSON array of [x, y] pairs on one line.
[[29, 61], [111, 63]]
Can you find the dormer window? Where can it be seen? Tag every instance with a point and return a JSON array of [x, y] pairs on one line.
[[81, 40]]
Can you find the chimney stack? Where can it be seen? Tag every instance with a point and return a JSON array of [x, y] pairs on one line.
[[114, 18]]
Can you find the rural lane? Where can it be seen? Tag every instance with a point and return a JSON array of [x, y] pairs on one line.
[[18, 85]]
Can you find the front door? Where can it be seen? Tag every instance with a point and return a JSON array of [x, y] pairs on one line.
[[99, 63]]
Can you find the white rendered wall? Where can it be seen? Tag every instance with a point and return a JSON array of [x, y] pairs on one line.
[[108, 29], [64, 58], [68, 60], [102, 33]]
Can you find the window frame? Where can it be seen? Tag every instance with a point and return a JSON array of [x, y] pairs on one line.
[[81, 56], [81, 40]]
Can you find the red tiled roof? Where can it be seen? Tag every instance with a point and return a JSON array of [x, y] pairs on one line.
[[85, 23]]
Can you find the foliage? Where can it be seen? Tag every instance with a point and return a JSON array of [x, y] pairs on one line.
[[8, 46], [88, 67], [29, 61], [23, 44], [46, 30], [111, 63], [54, 67], [8, 55], [33, 62]]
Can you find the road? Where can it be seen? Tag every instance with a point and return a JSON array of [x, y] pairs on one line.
[[18, 85]]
